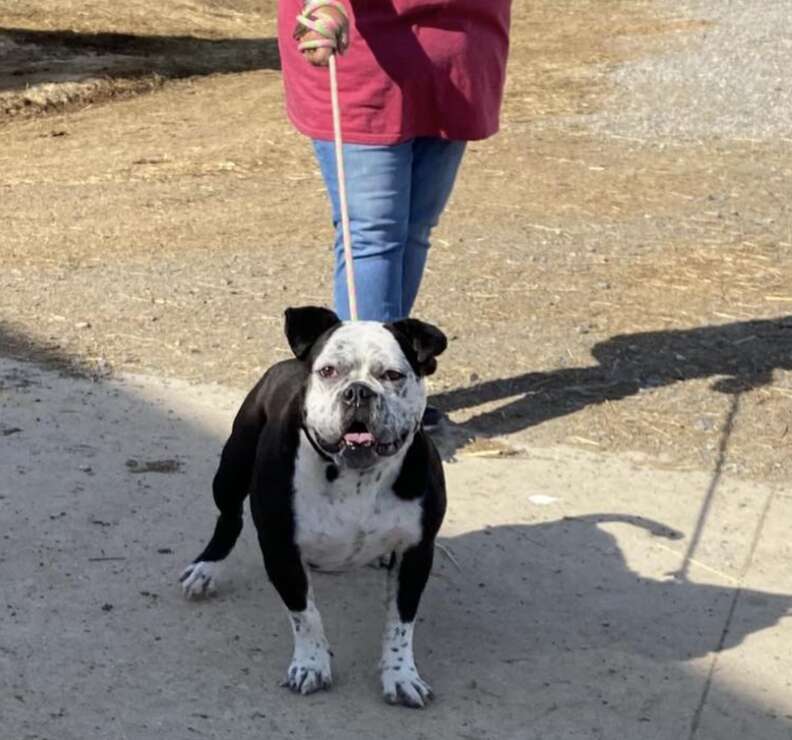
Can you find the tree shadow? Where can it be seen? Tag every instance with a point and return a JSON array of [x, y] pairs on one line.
[[35, 57], [741, 355]]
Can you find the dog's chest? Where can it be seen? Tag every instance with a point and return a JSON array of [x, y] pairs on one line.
[[353, 519]]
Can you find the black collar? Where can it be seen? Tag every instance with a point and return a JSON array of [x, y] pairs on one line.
[[314, 444]]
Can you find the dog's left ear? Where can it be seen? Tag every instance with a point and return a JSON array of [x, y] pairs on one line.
[[420, 342], [305, 325]]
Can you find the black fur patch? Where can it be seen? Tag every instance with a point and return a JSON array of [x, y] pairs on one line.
[[420, 342], [304, 326]]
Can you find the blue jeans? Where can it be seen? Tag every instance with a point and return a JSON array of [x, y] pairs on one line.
[[396, 195]]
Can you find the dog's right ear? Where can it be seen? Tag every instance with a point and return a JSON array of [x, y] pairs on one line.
[[305, 325]]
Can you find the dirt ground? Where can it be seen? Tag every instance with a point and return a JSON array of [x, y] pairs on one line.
[[158, 213]]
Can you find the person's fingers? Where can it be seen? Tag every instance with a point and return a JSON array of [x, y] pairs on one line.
[[338, 20], [318, 57]]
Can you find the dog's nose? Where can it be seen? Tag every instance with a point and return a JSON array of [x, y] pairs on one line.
[[357, 394]]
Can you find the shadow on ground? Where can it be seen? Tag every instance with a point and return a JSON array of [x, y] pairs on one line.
[[16, 345], [36, 57], [541, 630], [741, 355]]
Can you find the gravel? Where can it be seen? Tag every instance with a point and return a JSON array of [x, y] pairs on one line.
[[728, 79]]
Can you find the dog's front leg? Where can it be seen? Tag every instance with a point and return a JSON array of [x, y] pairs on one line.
[[407, 578], [309, 670]]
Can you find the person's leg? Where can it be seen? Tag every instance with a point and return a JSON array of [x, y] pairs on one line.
[[435, 164], [378, 192]]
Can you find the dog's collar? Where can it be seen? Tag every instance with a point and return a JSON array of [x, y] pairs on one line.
[[315, 445]]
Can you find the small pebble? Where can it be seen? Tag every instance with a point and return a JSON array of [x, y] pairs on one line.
[[703, 424]]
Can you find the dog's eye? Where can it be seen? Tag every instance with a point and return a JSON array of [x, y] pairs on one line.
[[328, 371], [393, 376]]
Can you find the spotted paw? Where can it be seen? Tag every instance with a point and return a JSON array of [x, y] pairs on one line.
[[402, 685], [199, 579], [310, 674]]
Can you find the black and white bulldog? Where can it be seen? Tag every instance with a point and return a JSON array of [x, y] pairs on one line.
[[340, 474]]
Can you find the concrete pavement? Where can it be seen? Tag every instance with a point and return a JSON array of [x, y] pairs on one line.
[[556, 614]]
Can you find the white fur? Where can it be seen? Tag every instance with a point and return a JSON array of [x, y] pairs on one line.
[[362, 351], [310, 666], [356, 518], [401, 683], [200, 579]]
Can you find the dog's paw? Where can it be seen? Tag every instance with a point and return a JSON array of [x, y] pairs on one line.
[[199, 579], [310, 673], [401, 684]]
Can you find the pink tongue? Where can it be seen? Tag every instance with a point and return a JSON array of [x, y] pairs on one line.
[[359, 438]]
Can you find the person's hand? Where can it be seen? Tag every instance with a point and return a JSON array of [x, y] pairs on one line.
[[335, 19]]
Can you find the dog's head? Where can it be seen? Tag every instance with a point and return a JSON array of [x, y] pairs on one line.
[[365, 393]]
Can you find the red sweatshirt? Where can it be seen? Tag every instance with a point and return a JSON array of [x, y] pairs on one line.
[[414, 68]]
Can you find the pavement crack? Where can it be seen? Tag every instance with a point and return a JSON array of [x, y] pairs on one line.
[[696, 722]]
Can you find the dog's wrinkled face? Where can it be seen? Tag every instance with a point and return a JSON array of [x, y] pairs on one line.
[[363, 399], [365, 393]]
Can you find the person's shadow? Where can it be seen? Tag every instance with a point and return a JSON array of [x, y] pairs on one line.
[[741, 355], [29, 57], [554, 612], [574, 567]]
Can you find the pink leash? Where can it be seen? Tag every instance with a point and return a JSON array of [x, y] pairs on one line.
[[328, 28]]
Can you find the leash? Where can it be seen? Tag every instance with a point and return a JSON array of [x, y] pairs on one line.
[[333, 39]]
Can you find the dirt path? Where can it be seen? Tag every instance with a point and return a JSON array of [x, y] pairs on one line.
[[616, 293]]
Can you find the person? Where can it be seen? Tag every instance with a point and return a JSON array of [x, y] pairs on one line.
[[417, 80]]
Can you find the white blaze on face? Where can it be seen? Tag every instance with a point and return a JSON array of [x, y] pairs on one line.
[[364, 352]]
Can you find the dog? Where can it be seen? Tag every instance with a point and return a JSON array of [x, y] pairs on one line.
[[341, 474]]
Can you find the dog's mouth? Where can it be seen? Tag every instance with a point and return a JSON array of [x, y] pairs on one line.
[[358, 435], [359, 440], [359, 443]]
